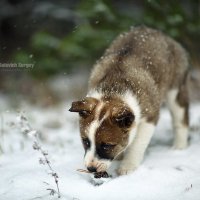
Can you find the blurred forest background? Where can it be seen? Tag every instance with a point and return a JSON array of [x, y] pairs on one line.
[[63, 39]]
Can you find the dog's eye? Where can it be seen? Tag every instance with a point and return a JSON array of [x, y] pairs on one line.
[[107, 147], [84, 113], [86, 143]]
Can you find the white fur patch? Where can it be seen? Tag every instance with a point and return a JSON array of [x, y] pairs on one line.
[[176, 110], [135, 152], [91, 135], [89, 157], [94, 94], [132, 102]]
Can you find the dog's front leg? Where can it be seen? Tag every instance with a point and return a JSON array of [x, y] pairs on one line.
[[135, 152]]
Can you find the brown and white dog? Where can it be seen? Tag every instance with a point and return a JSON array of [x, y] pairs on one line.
[[127, 87]]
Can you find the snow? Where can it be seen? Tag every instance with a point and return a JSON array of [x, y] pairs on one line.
[[165, 174]]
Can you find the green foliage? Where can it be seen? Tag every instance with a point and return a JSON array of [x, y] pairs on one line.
[[180, 19], [98, 23], [45, 43], [23, 57], [97, 26], [173, 17]]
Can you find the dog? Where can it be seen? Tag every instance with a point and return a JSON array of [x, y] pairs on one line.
[[139, 71]]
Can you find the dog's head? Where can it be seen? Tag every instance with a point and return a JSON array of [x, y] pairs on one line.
[[106, 129]]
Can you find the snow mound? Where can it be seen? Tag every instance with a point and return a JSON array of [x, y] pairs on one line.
[[165, 174]]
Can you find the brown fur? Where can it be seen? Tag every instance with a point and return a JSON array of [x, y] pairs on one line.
[[183, 99], [109, 132], [145, 61]]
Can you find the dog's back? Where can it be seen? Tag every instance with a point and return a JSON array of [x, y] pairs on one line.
[[145, 61]]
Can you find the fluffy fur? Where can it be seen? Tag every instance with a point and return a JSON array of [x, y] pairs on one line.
[[127, 87]]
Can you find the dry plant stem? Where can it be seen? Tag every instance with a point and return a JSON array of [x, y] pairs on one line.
[[36, 146]]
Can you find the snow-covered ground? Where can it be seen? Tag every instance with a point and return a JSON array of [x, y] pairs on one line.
[[165, 174]]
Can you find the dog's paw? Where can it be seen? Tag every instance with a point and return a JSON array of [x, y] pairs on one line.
[[180, 145], [123, 170]]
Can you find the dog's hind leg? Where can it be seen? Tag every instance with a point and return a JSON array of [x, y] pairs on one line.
[[178, 103]]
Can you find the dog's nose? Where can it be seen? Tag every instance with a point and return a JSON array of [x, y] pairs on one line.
[[92, 169]]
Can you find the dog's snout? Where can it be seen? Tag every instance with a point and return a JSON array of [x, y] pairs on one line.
[[92, 169]]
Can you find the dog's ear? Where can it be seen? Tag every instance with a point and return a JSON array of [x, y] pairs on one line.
[[124, 119], [84, 107], [77, 106]]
